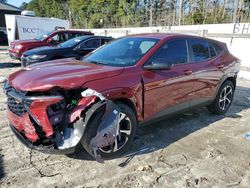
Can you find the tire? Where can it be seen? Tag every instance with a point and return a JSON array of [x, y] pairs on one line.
[[92, 123], [221, 104]]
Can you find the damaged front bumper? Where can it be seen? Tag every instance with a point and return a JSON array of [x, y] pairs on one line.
[[41, 148], [53, 123], [38, 126]]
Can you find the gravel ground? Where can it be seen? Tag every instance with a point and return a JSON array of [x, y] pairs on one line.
[[194, 149]]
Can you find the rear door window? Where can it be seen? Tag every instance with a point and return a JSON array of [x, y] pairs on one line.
[[73, 35], [91, 44], [60, 37], [199, 49], [64, 37], [172, 52]]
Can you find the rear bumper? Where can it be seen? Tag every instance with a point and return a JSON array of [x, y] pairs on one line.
[[40, 148]]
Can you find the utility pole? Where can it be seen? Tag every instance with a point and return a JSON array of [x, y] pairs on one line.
[[151, 13], [240, 12], [69, 14], [180, 11]]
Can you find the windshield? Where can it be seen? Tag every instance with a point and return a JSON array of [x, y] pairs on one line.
[[122, 52], [43, 36], [71, 43]]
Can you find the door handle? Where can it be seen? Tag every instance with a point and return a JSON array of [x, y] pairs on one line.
[[188, 72], [221, 66]]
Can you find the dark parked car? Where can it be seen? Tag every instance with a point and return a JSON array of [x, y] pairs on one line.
[[18, 47], [76, 47], [100, 100], [3, 38]]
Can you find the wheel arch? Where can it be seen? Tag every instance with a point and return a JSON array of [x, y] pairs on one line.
[[214, 107], [232, 79], [129, 103]]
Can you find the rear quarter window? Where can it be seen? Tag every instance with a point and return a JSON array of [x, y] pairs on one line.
[[217, 48], [200, 49], [105, 40], [91, 43], [73, 35], [212, 50]]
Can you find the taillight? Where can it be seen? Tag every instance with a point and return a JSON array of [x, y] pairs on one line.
[[238, 60]]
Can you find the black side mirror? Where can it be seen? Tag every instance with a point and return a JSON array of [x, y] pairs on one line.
[[158, 65]]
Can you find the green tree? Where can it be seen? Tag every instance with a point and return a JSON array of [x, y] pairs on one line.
[[127, 13], [23, 6]]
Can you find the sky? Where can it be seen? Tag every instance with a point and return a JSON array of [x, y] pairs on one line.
[[17, 3]]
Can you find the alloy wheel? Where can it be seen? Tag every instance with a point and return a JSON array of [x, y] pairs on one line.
[[125, 128], [226, 97]]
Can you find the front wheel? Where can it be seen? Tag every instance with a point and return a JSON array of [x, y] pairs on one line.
[[127, 128], [223, 99]]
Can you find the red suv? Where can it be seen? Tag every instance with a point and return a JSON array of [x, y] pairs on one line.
[[18, 47], [98, 101]]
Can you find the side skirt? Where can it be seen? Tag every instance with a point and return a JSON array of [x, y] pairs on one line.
[[178, 109]]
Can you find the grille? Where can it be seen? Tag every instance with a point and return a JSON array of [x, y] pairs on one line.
[[15, 106]]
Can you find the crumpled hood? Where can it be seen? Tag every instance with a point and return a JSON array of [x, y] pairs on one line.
[[65, 73]]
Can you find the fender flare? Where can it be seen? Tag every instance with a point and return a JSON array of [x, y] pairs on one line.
[[222, 80]]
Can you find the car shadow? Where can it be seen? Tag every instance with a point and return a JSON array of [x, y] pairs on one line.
[[159, 135], [7, 65], [2, 171]]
